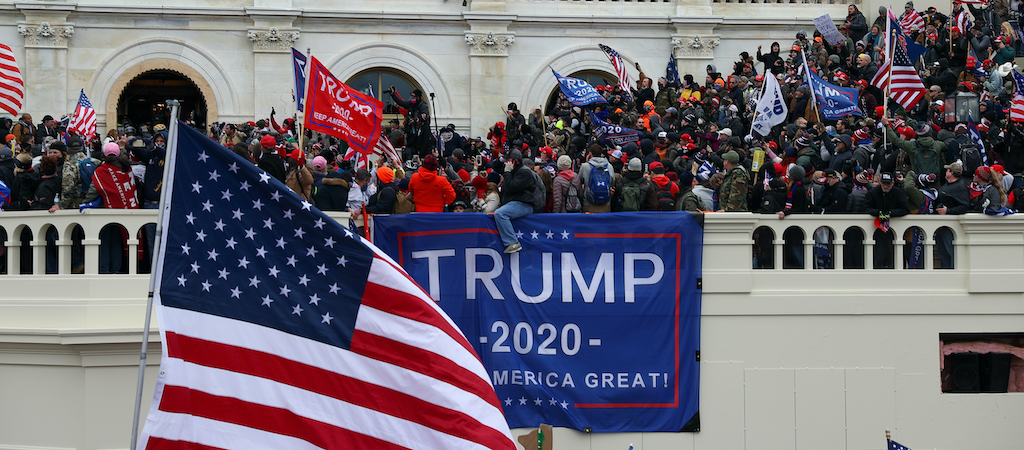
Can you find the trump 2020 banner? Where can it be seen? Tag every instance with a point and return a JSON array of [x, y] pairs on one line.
[[577, 91], [340, 111], [595, 324]]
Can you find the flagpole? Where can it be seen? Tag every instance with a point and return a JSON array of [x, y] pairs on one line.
[[807, 79], [888, 438], [172, 146], [544, 123]]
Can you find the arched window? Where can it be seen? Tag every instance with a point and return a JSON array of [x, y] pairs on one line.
[[593, 77], [376, 82]]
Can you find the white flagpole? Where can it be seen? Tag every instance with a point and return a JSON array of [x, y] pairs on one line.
[[157, 259], [889, 38], [807, 79]]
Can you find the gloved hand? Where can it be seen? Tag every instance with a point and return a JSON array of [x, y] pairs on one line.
[[93, 204], [509, 165]]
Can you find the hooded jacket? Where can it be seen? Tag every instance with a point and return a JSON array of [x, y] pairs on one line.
[[430, 192], [561, 185]]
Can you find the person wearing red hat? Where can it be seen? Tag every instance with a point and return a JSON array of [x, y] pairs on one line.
[[269, 160], [987, 193], [1002, 52]]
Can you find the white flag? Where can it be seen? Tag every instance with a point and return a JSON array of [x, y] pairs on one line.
[[771, 108]]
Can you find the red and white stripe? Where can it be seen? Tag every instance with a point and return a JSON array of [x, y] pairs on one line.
[[620, 69], [362, 160], [83, 122], [1017, 107], [385, 147], [906, 89], [963, 21], [409, 381], [911, 22], [12, 85]]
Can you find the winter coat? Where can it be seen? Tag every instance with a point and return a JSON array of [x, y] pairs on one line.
[[893, 203], [300, 181], [518, 185], [955, 197], [430, 192], [330, 191], [561, 185]]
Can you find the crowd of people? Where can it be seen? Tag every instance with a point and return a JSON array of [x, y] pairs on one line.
[[693, 150]]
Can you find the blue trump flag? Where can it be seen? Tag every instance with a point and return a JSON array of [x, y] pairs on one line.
[[579, 92], [594, 324], [611, 134], [299, 72], [834, 102]]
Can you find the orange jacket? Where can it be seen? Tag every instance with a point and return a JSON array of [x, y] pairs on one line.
[[430, 192]]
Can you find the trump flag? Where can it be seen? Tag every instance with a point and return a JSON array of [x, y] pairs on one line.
[[340, 111], [282, 329]]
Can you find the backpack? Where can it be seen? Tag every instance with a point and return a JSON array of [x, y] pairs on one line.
[[632, 196], [599, 187], [540, 193], [572, 199], [86, 168], [970, 154], [402, 203], [666, 202], [926, 160], [690, 197]]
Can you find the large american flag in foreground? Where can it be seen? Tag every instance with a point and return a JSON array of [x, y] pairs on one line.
[[620, 68], [12, 85], [83, 122], [904, 84], [283, 330]]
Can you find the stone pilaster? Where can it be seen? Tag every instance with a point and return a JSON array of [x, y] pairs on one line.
[[695, 41], [273, 36], [47, 32], [488, 40]]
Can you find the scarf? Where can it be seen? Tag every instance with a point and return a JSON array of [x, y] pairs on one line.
[[789, 195]]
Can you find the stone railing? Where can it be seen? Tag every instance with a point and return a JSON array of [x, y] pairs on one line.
[[744, 252]]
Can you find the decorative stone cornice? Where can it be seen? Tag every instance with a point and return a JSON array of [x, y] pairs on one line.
[[695, 46], [46, 35], [273, 40], [489, 44]]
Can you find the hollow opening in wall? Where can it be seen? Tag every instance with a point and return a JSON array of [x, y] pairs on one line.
[[142, 103]]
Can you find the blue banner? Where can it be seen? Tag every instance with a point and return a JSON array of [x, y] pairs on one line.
[[299, 72], [594, 324], [611, 134], [579, 92], [834, 102]]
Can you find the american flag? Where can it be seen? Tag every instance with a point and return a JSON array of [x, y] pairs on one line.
[[283, 329], [893, 445], [911, 22], [905, 84], [12, 86], [620, 68], [962, 20], [1017, 107], [83, 121], [386, 148], [362, 159]]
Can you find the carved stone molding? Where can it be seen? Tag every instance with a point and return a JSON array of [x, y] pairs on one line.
[[694, 46], [46, 35], [489, 44], [273, 40]]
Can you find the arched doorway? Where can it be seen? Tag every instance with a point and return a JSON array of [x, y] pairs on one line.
[[592, 77], [378, 80], [142, 101]]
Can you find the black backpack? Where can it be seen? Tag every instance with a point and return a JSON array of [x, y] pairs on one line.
[[970, 154], [666, 201]]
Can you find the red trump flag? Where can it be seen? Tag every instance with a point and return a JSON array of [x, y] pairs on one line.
[[340, 111]]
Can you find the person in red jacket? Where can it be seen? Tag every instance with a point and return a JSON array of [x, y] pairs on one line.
[[430, 192]]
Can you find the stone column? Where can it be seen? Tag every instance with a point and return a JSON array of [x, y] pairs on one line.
[[694, 42], [488, 39], [44, 68], [273, 37]]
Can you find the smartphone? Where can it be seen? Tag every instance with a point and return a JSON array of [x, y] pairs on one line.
[[416, 160], [479, 160]]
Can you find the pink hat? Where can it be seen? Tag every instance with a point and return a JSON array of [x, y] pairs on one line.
[[111, 149], [319, 163]]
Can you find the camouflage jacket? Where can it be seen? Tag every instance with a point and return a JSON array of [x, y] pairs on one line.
[[734, 189], [72, 191]]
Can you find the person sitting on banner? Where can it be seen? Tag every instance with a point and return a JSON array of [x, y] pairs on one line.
[[516, 198]]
